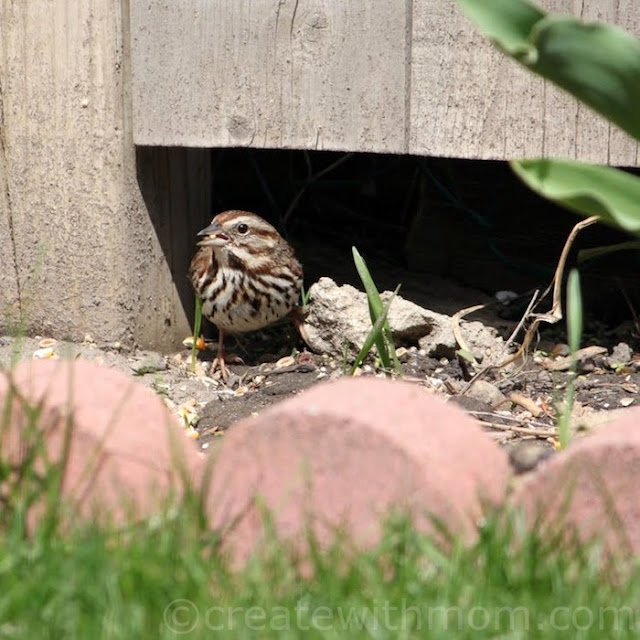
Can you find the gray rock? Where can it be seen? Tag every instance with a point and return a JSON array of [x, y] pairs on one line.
[[487, 393], [620, 356], [527, 455], [338, 319], [148, 362]]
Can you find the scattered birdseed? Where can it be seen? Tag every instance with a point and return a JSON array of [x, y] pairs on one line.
[[46, 353]]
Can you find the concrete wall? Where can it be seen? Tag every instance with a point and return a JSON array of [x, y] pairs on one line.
[[406, 76], [78, 248]]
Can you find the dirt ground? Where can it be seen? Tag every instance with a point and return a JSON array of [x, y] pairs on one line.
[[516, 405]]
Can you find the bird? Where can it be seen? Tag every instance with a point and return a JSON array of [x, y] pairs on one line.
[[247, 275]]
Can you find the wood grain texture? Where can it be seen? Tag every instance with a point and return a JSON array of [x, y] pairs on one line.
[[403, 76], [85, 253], [488, 107], [270, 73], [10, 302], [176, 186]]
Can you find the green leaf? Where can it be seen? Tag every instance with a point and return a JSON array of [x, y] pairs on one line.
[[197, 324], [598, 63], [506, 22], [574, 311], [466, 355], [596, 252], [375, 336], [383, 338], [612, 194]]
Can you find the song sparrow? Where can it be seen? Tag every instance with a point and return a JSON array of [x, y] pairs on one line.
[[246, 274]]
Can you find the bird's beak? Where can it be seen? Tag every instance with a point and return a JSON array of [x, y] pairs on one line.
[[213, 236]]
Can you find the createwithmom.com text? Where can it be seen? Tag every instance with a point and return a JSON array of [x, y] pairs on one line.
[[183, 617]]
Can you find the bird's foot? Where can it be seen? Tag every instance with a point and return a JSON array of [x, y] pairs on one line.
[[219, 364], [298, 316]]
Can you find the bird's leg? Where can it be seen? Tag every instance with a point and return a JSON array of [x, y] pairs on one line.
[[297, 315], [219, 359]]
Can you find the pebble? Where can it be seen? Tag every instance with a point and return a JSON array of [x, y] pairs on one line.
[[487, 393], [149, 363], [526, 455], [47, 352], [621, 355], [287, 361]]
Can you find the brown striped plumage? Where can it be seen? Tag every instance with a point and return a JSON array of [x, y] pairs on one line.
[[246, 274]]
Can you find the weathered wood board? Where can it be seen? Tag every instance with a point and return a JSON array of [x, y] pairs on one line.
[[398, 76], [79, 253], [270, 74]]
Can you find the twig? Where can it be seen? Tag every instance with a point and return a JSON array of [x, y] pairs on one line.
[[455, 325], [554, 315], [525, 315], [526, 403], [556, 308], [520, 421], [538, 433]]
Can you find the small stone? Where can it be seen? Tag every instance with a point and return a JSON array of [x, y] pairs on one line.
[[287, 361], [47, 342], [527, 454], [620, 356], [44, 354], [487, 393], [505, 298], [560, 350], [149, 363]]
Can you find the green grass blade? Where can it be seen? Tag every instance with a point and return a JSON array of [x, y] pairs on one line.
[[574, 311], [597, 252], [574, 336], [383, 339], [197, 325], [374, 335]]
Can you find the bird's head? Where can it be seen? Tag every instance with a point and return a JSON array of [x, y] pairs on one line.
[[240, 232]]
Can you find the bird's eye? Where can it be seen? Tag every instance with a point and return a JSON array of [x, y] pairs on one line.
[[242, 228]]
